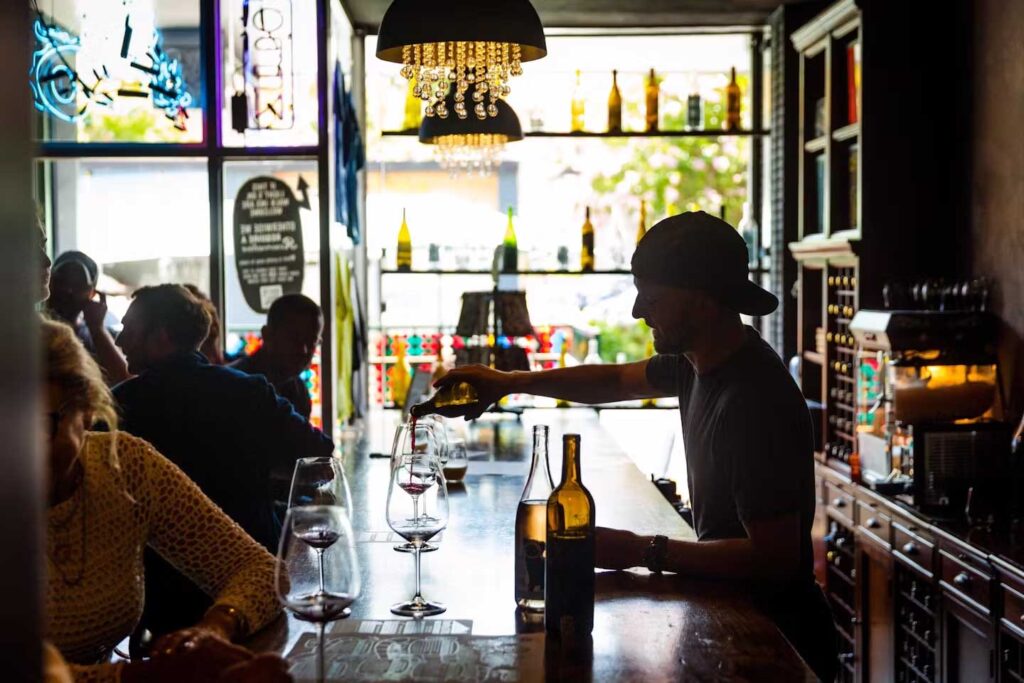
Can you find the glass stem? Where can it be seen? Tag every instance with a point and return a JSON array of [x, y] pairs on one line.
[[320, 652], [416, 557], [320, 562]]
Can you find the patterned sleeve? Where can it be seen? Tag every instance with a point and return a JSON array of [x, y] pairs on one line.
[[194, 535]]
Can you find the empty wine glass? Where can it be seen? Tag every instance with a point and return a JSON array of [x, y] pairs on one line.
[[317, 574], [417, 510], [320, 481], [416, 437]]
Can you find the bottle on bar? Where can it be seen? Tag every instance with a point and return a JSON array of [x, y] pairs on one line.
[[531, 526], [750, 233], [732, 103], [641, 228], [615, 106], [400, 378], [450, 401], [587, 252], [403, 261], [510, 248], [569, 561], [578, 106], [652, 92], [694, 108], [593, 356]]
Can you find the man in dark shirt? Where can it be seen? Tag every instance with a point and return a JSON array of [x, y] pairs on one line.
[[226, 430], [290, 338], [746, 428]]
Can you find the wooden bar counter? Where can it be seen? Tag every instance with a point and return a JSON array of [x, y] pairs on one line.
[[646, 627]]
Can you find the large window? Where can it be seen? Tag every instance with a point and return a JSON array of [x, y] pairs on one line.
[[457, 221]]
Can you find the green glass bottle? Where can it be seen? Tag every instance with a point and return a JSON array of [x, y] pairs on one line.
[[510, 248], [569, 562]]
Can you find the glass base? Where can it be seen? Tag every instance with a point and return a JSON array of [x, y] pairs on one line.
[[343, 614], [409, 547], [418, 607]]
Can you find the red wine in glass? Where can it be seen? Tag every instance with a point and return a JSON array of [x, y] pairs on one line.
[[319, 538], [415, 488]]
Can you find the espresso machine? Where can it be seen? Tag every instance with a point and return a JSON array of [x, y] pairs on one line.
[[927, 401]]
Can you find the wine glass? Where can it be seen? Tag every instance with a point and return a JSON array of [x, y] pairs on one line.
[[320, 481], [455, 466], [416, 437], [317, 573], [417, 487]]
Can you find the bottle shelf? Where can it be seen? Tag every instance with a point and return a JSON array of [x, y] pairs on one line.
[[391, 271], [817, 144], [621, 134]]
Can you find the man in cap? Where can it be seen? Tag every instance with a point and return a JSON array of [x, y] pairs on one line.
[[746, 428], [74, 300]]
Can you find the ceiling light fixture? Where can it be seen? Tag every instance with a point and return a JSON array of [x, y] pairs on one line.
[[475, 45], [472, 144]]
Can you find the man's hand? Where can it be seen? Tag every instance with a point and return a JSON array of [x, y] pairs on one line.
[[618, 549], [95, 312], [491, 386]]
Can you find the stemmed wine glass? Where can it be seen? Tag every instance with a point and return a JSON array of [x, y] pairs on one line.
[[417, 486], [317, 574], [320, 481], [416, 437]]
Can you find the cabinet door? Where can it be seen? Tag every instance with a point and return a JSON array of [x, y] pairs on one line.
[[968, 644], [877, 634]]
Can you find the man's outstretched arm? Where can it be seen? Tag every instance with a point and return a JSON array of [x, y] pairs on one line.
[[582, 384]]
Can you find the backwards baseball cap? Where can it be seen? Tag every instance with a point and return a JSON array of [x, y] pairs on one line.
[[695, 250], [80, 258]]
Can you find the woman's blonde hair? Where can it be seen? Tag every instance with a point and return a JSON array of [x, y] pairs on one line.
[[69, 366]]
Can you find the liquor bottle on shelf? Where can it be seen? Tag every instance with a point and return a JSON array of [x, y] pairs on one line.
[[413, 108], [510, 248], [531, 526], [615, 106], [449, 401], [652, 93], [578, 106], [694, 109], [399, 376], [587, 252], [403, 260], [732, 103], [593, 356], [641, 228], [751, 236], [569, 561]]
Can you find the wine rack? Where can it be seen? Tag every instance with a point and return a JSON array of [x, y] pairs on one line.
[[840, 355], [1011, 664], [839, 584], [916, 628]]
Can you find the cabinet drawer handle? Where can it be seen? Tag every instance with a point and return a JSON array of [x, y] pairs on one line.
[[962, 579], [839, 503], [872, 523], [909, 548]]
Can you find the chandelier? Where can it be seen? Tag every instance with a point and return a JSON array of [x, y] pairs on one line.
[[472, 144], [471, 46]]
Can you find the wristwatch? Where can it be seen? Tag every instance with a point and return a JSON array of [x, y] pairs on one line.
[[654, 554]]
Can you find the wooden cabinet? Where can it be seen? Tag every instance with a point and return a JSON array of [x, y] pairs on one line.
[[914, 602]]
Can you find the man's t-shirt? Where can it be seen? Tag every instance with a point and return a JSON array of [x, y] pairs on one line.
[[749, 443]]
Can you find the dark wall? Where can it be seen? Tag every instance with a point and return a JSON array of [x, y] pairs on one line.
[[997, 170]]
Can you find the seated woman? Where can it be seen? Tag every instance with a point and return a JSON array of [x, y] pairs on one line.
[[111, 494]]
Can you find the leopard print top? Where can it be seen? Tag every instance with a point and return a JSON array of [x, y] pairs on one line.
[[132, 496]]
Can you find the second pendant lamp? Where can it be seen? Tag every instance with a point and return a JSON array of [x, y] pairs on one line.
[[471, 144]]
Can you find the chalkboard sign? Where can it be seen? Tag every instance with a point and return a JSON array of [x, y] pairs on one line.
[[268, 240]]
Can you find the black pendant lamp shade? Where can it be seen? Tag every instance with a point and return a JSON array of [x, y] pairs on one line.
[[506, 123], [419, 22]]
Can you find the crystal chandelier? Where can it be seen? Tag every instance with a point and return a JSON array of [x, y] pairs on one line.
[[473, 46], [472, 144]]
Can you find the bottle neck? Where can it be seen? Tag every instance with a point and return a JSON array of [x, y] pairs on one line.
[[538, 483], [571, 459]]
